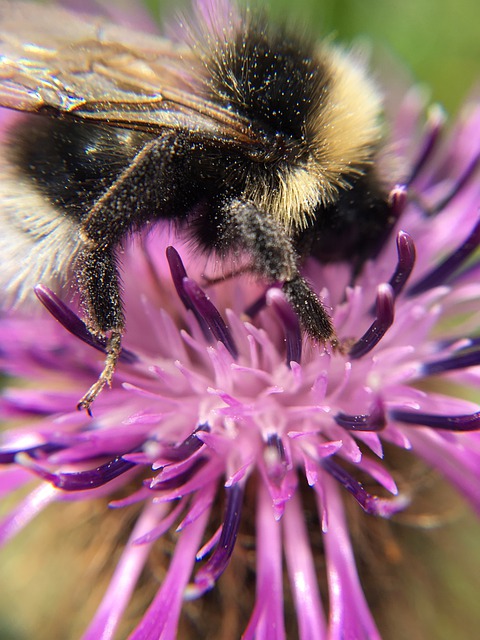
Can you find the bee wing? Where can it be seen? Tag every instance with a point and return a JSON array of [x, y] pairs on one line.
[[56, 61]]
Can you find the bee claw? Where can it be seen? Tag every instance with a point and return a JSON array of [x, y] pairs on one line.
[[105, 378], [89, 397]]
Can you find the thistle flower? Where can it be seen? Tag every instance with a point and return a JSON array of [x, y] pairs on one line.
[[218, 399]]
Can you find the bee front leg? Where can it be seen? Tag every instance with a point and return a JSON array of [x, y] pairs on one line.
[[98, 280], [274, 257], [114, 347], [128, 203]]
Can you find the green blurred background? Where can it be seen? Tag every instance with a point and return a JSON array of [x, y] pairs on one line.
[[438, 40]]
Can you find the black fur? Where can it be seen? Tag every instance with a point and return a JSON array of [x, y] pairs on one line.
[[270, 76], [353, 228], [72, 162]]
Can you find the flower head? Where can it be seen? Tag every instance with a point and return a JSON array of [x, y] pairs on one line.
[[217, 396]]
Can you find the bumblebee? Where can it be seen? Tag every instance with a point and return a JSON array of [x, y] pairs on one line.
[[249, 138]]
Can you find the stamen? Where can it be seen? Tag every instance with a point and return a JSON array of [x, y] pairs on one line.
[[186, 448], [37, 452], [179, 274], [458, 186], [178, 480], [460, 360], [213, 569], [371, 504], [276, 443], [374, 421], [467, 343], [212, 316], [383, 321], [196, 300], [276, 459], [398, 199], [468, 422], [81, 480], [256, 306], [406, 261], [433, 129], [449, 265], [289, 318], [74, 325]]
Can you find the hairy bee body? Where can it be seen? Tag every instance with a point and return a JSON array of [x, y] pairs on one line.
[[248, 138]]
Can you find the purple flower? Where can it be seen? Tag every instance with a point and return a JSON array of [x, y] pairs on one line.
[[217, 396]]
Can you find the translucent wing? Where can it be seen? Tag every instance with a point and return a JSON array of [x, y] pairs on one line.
[[56, 61]]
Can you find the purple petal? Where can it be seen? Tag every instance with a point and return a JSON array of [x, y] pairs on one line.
[[458, 461], [13, 479], [379, 473], [267, 620], [301, 569], [125, 577], [160, 622], [350, 616], [210, 544], [204, 476], [202, 503], [26, 511], [165, 524]]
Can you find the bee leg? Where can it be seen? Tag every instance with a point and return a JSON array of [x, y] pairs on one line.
[[310, 310], [275, 258], [112, 217], [114, 347], [99, 285]]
